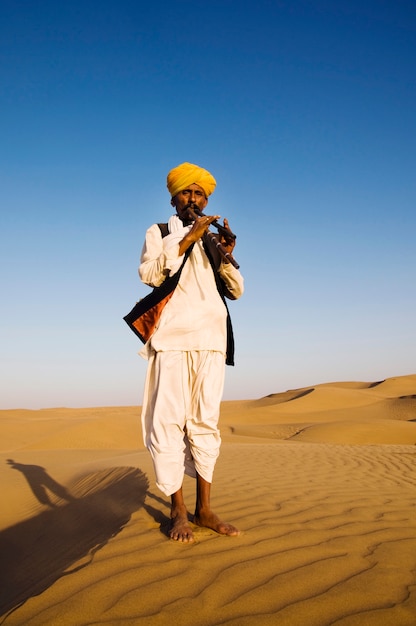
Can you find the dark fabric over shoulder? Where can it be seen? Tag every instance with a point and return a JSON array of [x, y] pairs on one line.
[[215, 259], [164, 229], [222, 290], [144, 316]]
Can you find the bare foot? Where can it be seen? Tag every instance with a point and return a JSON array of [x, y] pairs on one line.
[[208, 519], [180, 529]]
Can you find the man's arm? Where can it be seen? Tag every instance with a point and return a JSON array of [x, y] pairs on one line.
[[232, 280]]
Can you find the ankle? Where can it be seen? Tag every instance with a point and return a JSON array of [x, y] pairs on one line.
[[202, 510], [178, 510]]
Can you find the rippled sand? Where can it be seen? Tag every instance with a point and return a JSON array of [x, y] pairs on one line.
[[321, 481]]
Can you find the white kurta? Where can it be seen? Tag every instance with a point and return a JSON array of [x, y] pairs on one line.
[[186, 355]]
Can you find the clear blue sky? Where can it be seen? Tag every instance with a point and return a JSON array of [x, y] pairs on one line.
[[305, 114]]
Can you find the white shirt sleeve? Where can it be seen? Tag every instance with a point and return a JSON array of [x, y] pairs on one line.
[[160, 255], [233, 279]]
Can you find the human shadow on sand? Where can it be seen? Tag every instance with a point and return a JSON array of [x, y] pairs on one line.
[[65, 537], [41, 483]]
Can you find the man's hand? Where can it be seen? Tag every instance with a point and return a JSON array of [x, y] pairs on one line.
[[201, 225], [199, 228], [227, 242]]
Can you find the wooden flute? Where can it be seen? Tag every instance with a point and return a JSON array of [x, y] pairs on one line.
[[196, 212]]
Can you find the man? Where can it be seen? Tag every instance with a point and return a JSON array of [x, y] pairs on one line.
[[189, 348]]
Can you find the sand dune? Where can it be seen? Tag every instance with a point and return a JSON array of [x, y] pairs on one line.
[[345, 412], [320, 480]]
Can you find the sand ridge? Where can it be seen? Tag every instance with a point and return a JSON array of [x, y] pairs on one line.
[[323, 495]]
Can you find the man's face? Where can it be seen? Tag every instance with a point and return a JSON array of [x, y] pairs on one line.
[[192, 194]]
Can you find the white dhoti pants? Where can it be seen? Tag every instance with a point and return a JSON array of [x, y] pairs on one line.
[[180, 413]]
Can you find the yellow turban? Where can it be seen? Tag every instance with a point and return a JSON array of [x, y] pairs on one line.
[[186, 174]]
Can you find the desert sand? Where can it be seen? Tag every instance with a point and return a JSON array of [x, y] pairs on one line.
[[321, 481]]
